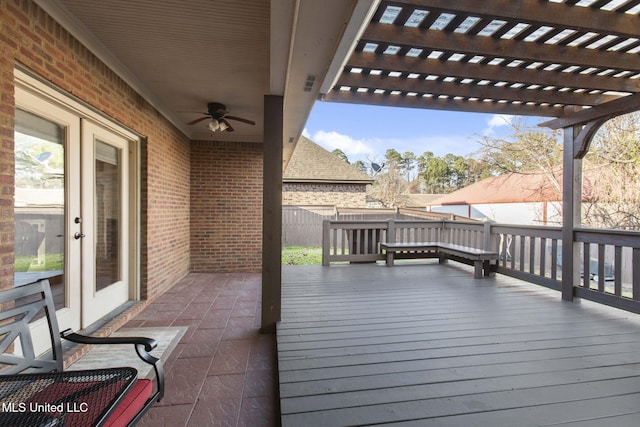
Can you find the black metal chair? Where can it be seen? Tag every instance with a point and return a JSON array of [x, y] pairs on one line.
[[18, 309]]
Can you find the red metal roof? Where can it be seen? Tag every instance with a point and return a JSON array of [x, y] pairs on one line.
[[511, 188]]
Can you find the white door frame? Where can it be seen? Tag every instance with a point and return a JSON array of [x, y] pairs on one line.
[[39, 92]]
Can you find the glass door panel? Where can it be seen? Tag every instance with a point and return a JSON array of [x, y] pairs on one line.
[[47, 201], [105, 284], [108, 214], [39, 203]]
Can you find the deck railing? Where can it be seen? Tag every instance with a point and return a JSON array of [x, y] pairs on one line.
[[609, 262], [610, 267], [529, 253]]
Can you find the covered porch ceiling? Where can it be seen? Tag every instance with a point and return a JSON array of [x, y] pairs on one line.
[[529, 57], [181, 55]]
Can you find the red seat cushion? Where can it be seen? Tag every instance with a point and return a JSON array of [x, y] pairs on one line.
[[89, 407], [131, 405]]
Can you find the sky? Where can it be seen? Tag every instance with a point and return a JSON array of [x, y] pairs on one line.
[[365, 132]]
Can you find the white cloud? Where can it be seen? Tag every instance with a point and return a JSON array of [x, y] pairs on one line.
[[496, 121], [500, 120], [350, 146]]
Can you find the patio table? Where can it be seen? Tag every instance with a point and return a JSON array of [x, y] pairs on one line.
[[69, 398]]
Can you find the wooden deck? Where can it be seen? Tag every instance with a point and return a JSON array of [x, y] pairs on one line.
[[425, 344]]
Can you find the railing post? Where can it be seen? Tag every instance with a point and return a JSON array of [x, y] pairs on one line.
[[489, 243], [391, 231], [444, 237], [326, 241], [635, 278]]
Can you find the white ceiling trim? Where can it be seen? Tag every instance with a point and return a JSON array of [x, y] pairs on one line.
[[283, 20], [359, 21]]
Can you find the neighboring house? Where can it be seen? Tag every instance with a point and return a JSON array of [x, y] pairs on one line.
[[315, 176], [418, 201], [525, 199]]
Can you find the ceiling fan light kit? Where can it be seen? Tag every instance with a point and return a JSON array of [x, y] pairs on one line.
[[215, 125], [219, 116]]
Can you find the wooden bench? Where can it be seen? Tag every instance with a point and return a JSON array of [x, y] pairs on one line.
[[479, 257]]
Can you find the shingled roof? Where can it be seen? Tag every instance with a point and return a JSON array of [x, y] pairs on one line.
[[312, 163]]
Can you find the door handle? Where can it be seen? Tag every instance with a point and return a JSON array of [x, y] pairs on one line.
[[78, 235]]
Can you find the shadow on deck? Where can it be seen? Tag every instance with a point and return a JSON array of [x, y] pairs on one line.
[[427, 344]]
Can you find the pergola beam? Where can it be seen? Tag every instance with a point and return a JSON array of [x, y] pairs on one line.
[[470, 90], [369, 61], [618, 107], [436, 103], [384, 34]]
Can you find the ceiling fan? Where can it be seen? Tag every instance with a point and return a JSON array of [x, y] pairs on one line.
[[219, 118]]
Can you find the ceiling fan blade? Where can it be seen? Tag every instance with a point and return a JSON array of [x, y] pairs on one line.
[[240, 119], [193, 122], [229, 127]]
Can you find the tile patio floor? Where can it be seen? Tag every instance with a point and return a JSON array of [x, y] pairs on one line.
[[223, 371]]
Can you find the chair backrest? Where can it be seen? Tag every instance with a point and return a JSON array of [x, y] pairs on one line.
[[18, 309]]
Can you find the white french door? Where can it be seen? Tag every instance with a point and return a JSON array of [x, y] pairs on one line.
[[72, 210], [105, 222]]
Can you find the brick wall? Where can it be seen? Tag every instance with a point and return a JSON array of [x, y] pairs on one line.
[[32, 39], [343, 195], [226, 206]]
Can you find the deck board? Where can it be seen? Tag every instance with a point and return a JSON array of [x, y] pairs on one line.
[[427, 344]]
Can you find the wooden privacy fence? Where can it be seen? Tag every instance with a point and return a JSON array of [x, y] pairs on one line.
[[302, 225], [608, 261]]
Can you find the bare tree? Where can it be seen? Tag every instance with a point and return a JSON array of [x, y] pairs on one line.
[[612, 172], [611, 169], [389, 186], [524, 150]]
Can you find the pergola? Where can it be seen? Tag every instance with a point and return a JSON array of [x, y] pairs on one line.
[[576, 61]]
